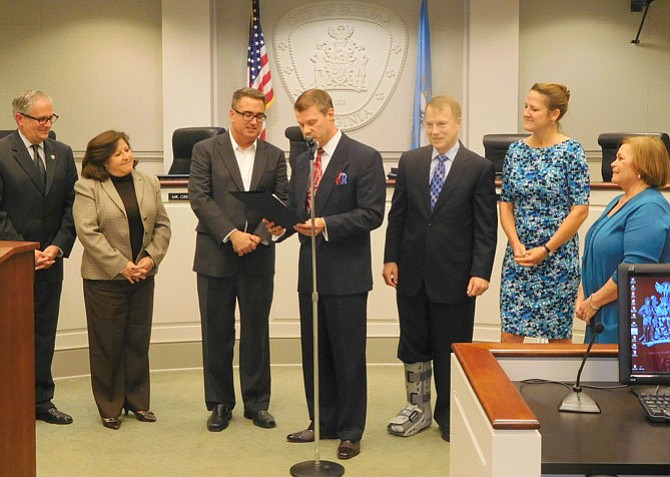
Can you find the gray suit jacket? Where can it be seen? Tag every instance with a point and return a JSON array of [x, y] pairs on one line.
[[442, 248], [103, 230], [214, 173], [29, 211]]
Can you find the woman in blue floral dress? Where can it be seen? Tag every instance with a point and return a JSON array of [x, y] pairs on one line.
[[544, 200]]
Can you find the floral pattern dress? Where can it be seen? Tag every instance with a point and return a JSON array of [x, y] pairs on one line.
[[542, 184]]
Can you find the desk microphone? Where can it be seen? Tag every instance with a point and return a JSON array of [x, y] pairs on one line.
[[576, 400], [312, 144]]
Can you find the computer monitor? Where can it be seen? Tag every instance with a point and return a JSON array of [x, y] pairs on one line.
[[644, 323]]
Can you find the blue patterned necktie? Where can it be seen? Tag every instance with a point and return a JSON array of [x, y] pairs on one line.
[[437, 181]]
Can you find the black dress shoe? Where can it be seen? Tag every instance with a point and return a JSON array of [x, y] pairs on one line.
[[445, 431], [111, 422], [261, 419], [54, 416], [220, 418], [348, 449], [144, 416]]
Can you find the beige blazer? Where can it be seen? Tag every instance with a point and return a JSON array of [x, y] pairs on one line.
[[102, 225]]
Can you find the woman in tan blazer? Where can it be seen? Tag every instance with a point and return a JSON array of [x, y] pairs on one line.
[[124, 228]]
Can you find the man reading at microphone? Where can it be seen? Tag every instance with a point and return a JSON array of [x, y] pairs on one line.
[[350, 192]]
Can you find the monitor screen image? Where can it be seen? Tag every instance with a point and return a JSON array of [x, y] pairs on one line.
[[644, 324]]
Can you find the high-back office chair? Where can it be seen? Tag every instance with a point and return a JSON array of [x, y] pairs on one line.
[[7, 132], [183, 140], [297, 144], [610, 142], [495, 148]]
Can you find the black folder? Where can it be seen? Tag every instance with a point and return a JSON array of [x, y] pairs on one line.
[[267, 205]]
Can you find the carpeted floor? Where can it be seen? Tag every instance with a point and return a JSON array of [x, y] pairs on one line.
[[180, 445]]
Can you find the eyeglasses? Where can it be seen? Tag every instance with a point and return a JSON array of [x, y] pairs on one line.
[[248, 115], [43, 120]]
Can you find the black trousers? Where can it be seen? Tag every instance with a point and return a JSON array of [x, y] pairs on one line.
[[47, 306], [217, 298], [342, 364], [118, 315], [427, 331]]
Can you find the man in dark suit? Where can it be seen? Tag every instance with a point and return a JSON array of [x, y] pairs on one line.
[[440, 245], [37, 177], [348, 204], [235, 259]]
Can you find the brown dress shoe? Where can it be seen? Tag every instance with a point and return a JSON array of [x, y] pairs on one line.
[[348, 449], [306, 435]]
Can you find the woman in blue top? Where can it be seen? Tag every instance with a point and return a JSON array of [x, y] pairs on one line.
[[544, 200], [634, 228]]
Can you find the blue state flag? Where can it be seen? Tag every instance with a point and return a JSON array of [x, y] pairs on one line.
[[423, 86]]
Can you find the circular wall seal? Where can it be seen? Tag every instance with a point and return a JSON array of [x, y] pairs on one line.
[[354, 50]]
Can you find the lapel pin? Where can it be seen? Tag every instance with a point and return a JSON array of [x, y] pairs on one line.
[[52, 157]]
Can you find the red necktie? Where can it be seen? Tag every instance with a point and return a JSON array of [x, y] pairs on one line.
[[318, 173]]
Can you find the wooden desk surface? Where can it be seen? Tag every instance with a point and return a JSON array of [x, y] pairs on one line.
[[620, 440]]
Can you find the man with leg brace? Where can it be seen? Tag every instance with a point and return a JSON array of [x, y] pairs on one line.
[[440, 244]]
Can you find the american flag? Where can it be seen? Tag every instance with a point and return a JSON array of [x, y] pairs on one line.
[[258, 65]]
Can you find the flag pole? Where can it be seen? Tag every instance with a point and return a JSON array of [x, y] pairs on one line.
[[423, 83]]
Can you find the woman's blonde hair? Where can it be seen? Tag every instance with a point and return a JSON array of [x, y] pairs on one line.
[[650, 159]]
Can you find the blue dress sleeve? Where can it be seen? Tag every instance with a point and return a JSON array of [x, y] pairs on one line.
[[579, 178], [505, 190]]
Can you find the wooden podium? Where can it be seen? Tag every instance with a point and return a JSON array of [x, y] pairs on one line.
[[17, 360]]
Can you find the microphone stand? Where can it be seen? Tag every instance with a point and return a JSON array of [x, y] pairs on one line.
[[576, 400], [316, 467]]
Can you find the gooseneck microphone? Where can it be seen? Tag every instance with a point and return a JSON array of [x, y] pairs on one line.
[[597, 329], [576, 400], [312, 144]]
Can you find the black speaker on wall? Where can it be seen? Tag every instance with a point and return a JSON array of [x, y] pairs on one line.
[[639, 5]]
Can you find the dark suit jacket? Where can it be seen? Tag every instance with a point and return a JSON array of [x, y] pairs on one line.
[[351, 207], [454, 242], [214, 173], [29, 210]]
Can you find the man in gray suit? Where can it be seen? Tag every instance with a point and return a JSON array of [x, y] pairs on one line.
[[440, 244], [235, 259], [37, 177]]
